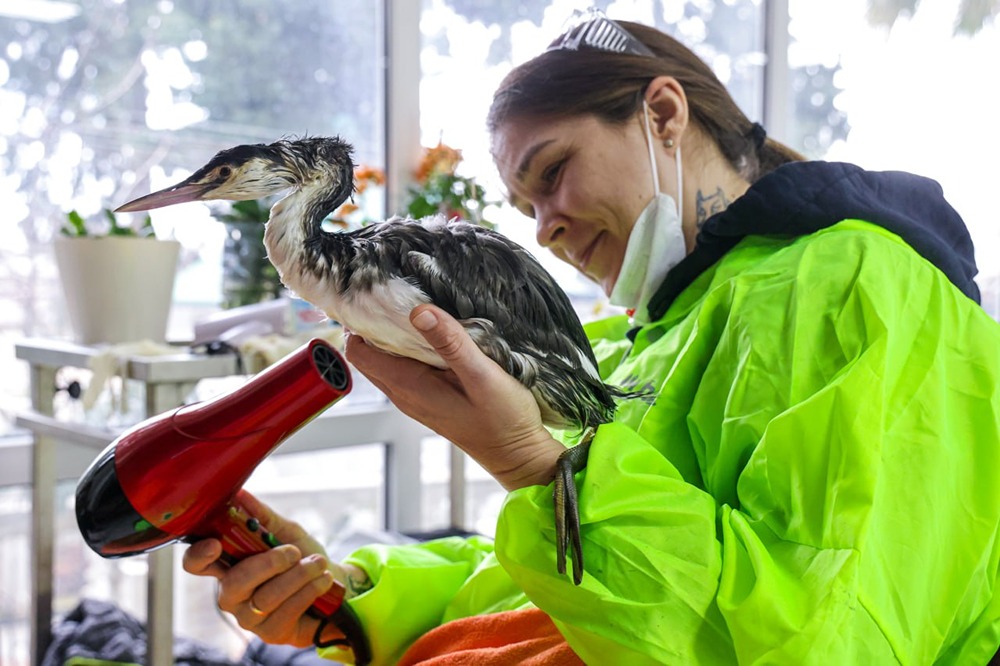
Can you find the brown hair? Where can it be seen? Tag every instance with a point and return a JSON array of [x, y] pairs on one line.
[[610, 86]]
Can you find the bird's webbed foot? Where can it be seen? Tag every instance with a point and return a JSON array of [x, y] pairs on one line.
[[567, 508]]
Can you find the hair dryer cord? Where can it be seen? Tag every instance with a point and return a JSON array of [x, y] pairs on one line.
[[347, 622]]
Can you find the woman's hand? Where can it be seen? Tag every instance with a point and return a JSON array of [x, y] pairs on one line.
[[475, 404], [270, 592]]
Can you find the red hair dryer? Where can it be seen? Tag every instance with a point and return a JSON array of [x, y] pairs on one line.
[[178, 476]]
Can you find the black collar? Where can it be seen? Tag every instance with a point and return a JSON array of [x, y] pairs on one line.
[[801, 198]]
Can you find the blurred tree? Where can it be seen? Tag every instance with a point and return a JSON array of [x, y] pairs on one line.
[[971, 17], [727, 34], [91, 100], [818, 122]]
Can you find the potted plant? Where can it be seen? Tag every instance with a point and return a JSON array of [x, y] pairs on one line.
[[438, 188], [247, 275], [118, 279]]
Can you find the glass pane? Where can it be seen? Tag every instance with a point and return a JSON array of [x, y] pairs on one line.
[[101, 100], [468, 46], [901, 93], [481, 495]]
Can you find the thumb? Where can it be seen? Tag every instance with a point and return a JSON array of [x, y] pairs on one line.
[[445, 334]]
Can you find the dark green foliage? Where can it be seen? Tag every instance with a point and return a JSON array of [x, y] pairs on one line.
[[452, 195], [75, 225], [248, 276]]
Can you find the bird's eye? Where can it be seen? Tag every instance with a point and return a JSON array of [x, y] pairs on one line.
[[225, 172]]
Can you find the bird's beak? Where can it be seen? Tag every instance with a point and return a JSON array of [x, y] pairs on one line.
[[180, 193]]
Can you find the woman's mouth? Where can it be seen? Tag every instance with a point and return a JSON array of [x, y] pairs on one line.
[[584, 259]]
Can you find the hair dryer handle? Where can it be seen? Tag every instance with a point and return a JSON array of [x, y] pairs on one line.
[[242, 535]]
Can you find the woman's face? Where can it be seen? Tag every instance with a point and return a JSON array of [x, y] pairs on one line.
[[583, 181]]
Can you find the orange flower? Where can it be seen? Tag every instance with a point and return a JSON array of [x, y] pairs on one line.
[[345, 210], [369, 174], [441, 159]]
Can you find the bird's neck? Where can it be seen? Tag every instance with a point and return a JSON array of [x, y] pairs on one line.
[[295, 226]]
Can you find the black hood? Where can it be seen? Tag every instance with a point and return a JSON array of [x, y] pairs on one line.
[[800, 198]]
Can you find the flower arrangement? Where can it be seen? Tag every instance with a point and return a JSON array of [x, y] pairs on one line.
[[350, 214], [437, 189]]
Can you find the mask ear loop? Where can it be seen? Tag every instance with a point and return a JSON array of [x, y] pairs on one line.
[[646, 132], [680, 186]]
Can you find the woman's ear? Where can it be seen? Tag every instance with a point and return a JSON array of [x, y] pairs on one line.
[[668, 109]]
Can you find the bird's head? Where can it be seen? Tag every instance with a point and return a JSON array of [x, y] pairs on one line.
[[256, 171]]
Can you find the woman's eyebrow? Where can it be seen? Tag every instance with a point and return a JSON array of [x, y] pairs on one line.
[[525, 164]]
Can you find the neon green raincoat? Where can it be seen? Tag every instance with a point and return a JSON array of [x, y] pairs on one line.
[[818, 481]]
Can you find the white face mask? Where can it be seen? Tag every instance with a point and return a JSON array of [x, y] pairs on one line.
[[655, 244]]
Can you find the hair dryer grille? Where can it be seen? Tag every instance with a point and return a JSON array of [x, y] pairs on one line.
[[331, 368]]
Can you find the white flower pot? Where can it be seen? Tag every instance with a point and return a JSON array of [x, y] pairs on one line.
[[117, 288]]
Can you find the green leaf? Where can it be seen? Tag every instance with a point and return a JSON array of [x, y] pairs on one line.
[[75, 225], [421, 207], [146, 228], [118, 229], [252, 210]]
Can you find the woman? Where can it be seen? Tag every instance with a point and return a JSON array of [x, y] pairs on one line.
[[816, 479]]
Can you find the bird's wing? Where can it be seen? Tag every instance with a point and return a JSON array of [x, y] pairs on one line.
[[514, 311], [474, 273], [511, 307]]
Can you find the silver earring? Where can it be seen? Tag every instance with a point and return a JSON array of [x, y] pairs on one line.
[[669, 143]]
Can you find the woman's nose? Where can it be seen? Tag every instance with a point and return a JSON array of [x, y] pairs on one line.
[[549, 227]]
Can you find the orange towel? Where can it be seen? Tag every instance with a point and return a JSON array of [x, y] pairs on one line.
[[523, 637]]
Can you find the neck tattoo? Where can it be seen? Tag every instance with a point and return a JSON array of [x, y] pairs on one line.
[[707, 205]]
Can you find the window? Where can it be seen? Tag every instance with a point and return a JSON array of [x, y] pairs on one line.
[[468, 47], [101, 100], [906, 94]]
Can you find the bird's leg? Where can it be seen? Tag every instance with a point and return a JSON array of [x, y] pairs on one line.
[[567, 509]]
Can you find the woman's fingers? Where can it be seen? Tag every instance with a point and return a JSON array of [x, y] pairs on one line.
[[246, 576], [474, 403], [451, 341], [202, 559]]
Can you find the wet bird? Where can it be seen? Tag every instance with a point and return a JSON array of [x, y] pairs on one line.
[[370, 279]]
